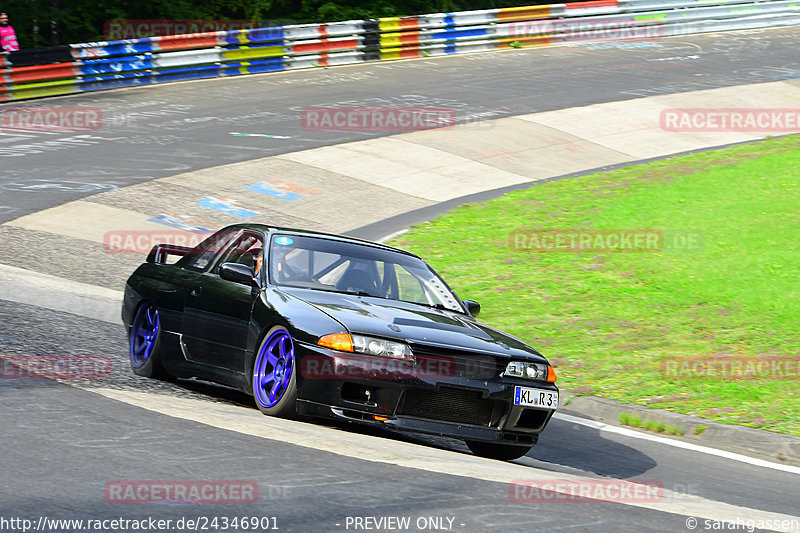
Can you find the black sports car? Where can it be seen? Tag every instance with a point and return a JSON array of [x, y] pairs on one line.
[[329, 326]]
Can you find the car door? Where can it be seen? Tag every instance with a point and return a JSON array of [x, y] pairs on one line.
[[216, 315]]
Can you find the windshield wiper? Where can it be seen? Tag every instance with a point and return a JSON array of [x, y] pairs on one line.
[[359, 293], [364, 293], [323, 290]]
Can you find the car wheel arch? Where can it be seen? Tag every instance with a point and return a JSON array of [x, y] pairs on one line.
[[283, 376], [252, 354], [151, 364]]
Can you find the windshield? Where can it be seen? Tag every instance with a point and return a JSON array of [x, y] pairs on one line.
[[328, 265]]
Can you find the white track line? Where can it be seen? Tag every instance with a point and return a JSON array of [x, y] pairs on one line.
[[677, 443]]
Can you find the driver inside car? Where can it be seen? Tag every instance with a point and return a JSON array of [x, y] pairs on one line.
[[284, 272]]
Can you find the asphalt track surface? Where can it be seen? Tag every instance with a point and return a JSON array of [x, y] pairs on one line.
[[62, 444]]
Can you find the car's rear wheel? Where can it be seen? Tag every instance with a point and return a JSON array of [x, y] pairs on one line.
[[501, 452], [144, 343], [274, 376]]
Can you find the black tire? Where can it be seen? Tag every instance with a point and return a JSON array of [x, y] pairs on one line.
[[144, 344], [275, 357], [501, 452]]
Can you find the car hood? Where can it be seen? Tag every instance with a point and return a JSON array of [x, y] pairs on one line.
[[416, 324]]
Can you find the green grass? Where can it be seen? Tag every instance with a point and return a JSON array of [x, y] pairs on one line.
[[673, 430], [628, 419], [610, 321]]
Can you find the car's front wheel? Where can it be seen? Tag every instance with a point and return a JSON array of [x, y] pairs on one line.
[[145, 344], [274, 376], [501, 452]]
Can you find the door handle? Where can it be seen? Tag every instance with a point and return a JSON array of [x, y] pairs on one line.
[[196, 291]]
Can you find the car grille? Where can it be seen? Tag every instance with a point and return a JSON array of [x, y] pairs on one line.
[[448, 404]]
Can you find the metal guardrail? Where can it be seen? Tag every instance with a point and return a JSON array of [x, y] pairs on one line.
[[75, 68]]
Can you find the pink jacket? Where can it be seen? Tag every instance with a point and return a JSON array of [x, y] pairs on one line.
[[8, 39]]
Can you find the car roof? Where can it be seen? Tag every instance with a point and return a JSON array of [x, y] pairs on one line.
[[319, 234]]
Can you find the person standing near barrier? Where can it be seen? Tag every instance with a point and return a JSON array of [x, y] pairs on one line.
[[8, 39]]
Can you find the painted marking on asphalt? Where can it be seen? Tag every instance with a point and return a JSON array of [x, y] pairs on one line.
[[677, 443], [226, 205], [259, 135], [281, 189], [36, 185], [13, 137], [404, 454], [185, 223]]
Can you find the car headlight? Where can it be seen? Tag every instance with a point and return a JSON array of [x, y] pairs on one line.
[[385, 347], [345, 342], [533, 371]]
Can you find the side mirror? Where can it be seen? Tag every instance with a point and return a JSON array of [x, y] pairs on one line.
[[473, 307], [237, 273]]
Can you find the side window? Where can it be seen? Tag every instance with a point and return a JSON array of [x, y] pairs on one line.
[[201, 255], [247, 249], [408, 286]]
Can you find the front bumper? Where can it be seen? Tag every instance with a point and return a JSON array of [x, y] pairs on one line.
[[439, 399]]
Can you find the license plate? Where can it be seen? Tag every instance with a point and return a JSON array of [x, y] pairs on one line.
[[535, 398]]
